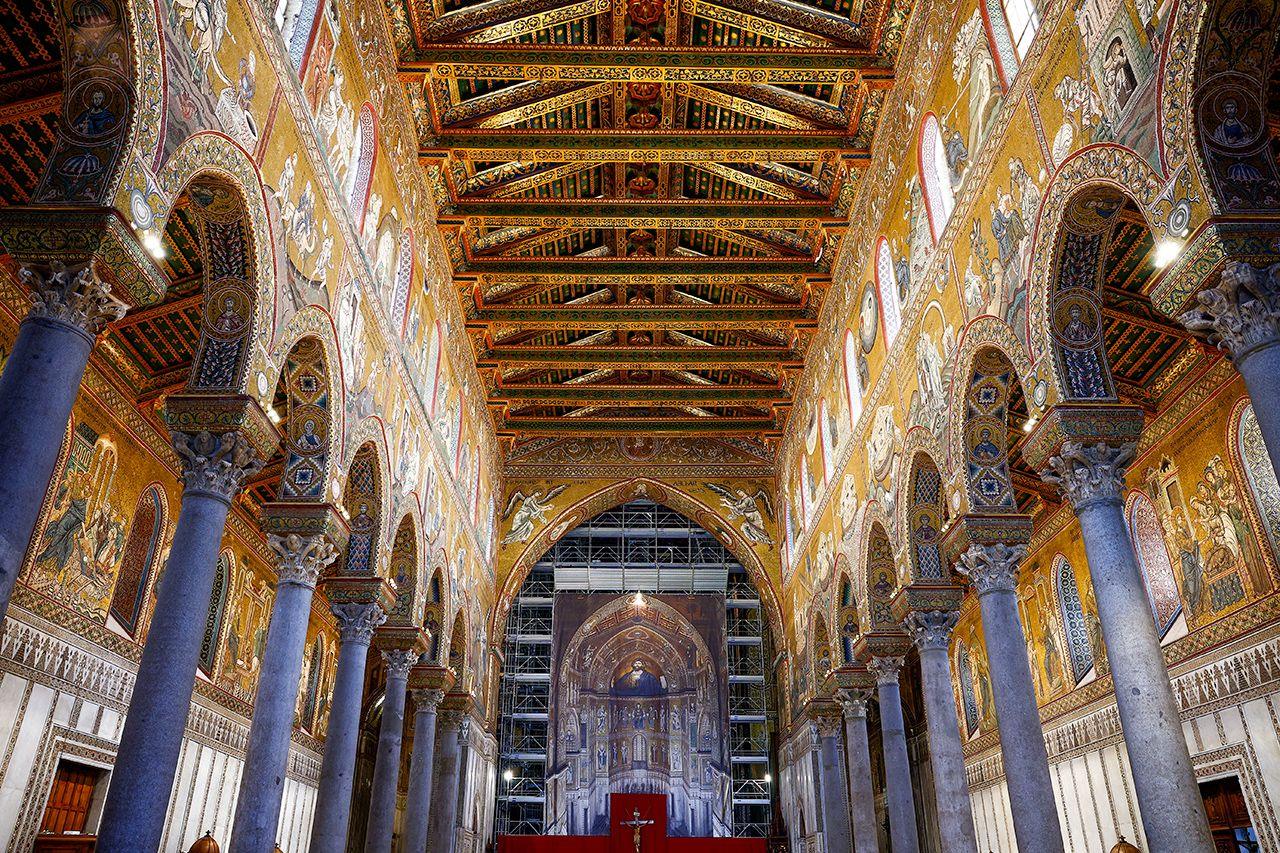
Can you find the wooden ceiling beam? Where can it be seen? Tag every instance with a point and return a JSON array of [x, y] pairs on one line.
[[639, 358], [644, 316], [638, 426], [640, 266], [640, 213], [627, 63], [685, 395], [630, 146]]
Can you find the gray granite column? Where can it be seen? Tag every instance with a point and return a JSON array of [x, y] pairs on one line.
[[301, 559], [417, 807], [858, 756], [835, 806], [356, 623], [1241, 315], [1091, 477], [897, 762], [454, 727], [993, 570], [214, 467], [386, 766], [37, 391], [930, 630]]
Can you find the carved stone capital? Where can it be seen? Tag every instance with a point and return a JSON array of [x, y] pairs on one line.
[[427, 699], [216, 464], [885, 669], [301, 558], [74, 295], [464, 730], [399, 662], [994, 567], [854, 703], [828, 725], [1087, 474], [931, 629], [1242, 313], [357, 621]]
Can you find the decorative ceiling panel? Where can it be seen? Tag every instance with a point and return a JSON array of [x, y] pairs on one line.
[[642, 197]]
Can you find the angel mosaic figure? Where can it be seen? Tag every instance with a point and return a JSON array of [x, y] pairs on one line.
[[533, 509], [747, 507]]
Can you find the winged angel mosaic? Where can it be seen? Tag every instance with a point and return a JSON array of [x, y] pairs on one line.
[[747, 507], [530, 511]]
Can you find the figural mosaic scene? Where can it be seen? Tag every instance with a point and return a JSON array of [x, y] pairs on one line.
[[640, 426]]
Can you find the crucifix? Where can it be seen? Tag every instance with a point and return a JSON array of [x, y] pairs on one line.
[[638, 824]]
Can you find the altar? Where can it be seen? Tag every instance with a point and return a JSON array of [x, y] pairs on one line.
[[637, 824]]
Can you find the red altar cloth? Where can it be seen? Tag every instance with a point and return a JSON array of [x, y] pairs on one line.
[[621, 838]]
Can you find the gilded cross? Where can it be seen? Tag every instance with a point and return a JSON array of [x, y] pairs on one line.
[[638, 824]]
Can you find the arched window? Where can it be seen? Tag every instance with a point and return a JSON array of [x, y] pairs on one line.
[[1261, 477], [790, 526], [362, 174], [848, 620], [967, 697], [1073, 622], [1153, 559], [217, 606], [852, 384], [939, 198], [141, 549], [434, 345], [887, 289], [827, 442], [1011, 26], [404, 275]]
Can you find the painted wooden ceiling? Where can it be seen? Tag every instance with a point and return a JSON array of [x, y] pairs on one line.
[[642, 198]]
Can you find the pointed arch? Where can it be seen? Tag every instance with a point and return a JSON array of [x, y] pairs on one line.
[[140, 555], [366, 160], [939, 197], [848, 618], [1153, 559], [823, 661], [212, 640], [309, 438], [887, 292], [1071, 607], [457, 660], [985, 432], [403, 281], [362, 505], [882, 580], [433, 616], [405, 574], [925, 519]]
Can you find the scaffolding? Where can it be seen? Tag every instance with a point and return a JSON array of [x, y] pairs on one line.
[[639, 546]]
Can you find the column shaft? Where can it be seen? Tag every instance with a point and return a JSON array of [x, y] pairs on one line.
[[1164, 780], [37, 392], [1026, 761], [861, 797], [386, 767], [897, 762], [133, 815], [267, 754], [337, 769], [1261, 373], [835, 807], [418, 804], [931, 632], [444, 810]]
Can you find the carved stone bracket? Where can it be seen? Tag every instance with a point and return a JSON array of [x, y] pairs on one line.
[[994, 567], [1242, 313], [73, 295], [1090, 473]]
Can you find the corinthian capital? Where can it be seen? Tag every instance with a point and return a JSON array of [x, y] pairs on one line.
[[357, 621], [1090, 473], [216, 464], [885, 669], [931, 629], [1242, 313], [828, 726], [854, 703], [74, 295], [994, 567], [301, 558], [428, 699], [399, 662]]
